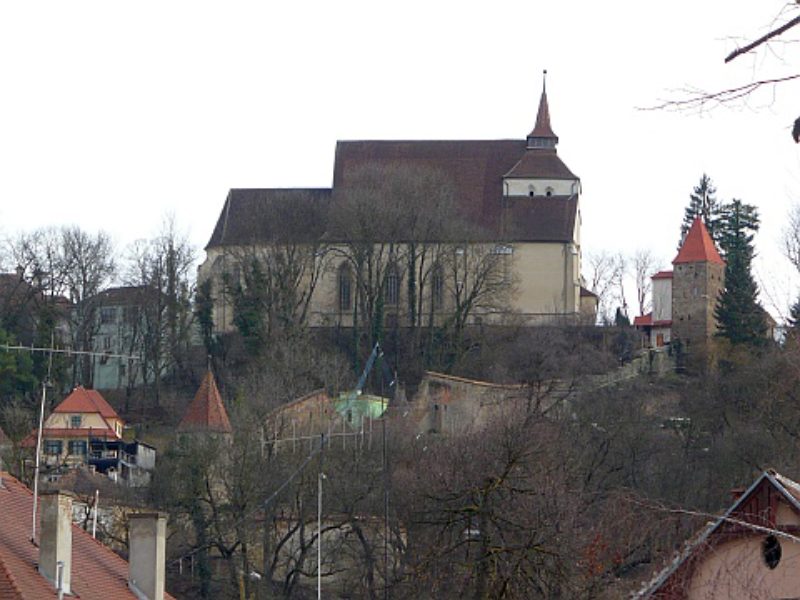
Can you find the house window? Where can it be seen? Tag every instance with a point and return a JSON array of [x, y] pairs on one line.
[[392, 287], [549, 191], [53, 447], [345, 288], [108, 315], [437, 288], [107, 342], [75, 421], [771, 549], [77, 448]]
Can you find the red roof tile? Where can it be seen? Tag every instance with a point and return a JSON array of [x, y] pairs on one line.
[[97, 572], [82, 400], [206, 412], [663, 275], [698, 246], [643, 320]]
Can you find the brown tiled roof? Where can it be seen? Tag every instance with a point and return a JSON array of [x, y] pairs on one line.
[[206, 412], [543, 127], [540, 219], [698, 246], [587, 293], [125, 295], [663, 275], [97, 572], [540, 162], [254, 216], [475, 168], [82, 400]]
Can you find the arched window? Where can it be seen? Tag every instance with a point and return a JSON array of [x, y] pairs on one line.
[[437, 288], [531, 191], [345, 288], [549, 191], [392, 287]]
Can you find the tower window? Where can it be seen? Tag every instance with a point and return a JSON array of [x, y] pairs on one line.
[[548, 192]]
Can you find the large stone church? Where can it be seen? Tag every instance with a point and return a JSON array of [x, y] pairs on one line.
[[517, 193]]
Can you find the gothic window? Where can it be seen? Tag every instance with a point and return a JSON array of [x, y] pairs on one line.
[[345, 288], [437, 288], [392, 287]]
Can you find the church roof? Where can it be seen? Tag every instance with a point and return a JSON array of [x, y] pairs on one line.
[[540, 219], [206, 412], [698, 246], [475, 168], [540, 162], [252, 216]]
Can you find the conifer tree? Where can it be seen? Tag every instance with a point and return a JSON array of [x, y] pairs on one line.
[[739, 315], [702, 202]]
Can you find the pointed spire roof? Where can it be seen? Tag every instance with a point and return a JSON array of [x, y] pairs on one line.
[[543, 129], [206, 412], [698, 246]]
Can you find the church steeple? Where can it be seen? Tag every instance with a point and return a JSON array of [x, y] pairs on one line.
[[542, 135]]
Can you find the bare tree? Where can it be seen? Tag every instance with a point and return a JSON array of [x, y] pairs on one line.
[[606, 276], [645, 265], [162, 268]]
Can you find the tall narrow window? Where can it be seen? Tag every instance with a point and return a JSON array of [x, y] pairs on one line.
[[392, 291], [345, 288], [437, 288]]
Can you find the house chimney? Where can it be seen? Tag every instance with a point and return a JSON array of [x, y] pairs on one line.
[[147, 535], [55, 539]]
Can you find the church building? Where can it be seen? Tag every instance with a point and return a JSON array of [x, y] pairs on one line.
[[519, 199]]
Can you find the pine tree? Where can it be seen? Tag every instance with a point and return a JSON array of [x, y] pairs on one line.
[[703, 202], [739, 315]]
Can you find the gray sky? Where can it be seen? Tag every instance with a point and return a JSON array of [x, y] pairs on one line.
[[113, 115]]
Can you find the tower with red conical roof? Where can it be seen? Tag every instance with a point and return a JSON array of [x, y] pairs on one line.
[[697, 281], [206, 414]]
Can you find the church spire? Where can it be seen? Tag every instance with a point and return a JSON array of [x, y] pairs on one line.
[[542, 135]]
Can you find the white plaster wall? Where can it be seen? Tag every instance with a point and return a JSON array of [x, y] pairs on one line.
[[561, 187], [736, 569], [662, 299]]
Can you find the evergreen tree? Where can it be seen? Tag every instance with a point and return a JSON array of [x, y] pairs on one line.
[[739, 315], [703, 202]]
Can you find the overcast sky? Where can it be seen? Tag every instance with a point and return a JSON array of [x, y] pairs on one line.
[[113, 115]]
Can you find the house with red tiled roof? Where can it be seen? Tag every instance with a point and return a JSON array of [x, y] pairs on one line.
[[84, 429], [750, 551], [206, 412], [513, 198], [684, 298], [65, 561]]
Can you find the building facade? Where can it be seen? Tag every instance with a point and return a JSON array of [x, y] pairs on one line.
[[516, 201]]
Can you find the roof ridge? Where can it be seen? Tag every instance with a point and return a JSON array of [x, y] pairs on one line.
[[698, 246]]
